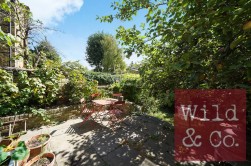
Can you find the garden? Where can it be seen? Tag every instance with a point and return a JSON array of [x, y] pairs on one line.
[[199, 45]]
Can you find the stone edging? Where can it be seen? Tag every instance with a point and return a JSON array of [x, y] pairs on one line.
[[56, 114]]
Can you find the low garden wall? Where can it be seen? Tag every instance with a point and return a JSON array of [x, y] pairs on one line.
[[33, 121], [55, 115]]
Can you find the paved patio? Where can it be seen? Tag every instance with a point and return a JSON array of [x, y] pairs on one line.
[[139, 140]]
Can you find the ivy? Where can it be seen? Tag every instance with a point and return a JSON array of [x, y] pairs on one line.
[[6, 38]]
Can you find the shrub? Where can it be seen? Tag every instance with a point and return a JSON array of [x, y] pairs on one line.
[[8, 92], [41, 88], [150, 104], [105, 93], [129, 86], [166, 99], [78, 87], [68, 66], [31, 90], [156, 106], [102, 78], [115, 87], [50, 78], [34, 91]]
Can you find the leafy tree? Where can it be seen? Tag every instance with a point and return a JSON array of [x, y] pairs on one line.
[[69, 66], [189, 44], [112, 60], [104, 54], [50, 51], [133, 68], [27, 30], [94, 51], [44, 51]]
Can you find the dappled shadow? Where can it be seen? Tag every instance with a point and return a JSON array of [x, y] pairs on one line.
[[158, 145], [139, 140], [81, 128], [77, 150]]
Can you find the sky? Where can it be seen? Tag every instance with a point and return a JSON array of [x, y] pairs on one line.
[[75, 21]]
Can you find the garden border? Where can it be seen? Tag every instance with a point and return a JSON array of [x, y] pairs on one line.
[[58, 114]]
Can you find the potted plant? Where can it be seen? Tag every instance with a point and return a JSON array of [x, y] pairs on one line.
[[37, 144], [10, 143], [47, 159], [5, 142], [17, 157]]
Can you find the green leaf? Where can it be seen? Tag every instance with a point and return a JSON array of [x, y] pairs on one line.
[[248, 64], [7, 19], [8, 40], [236, 42], [247, 26], [5, 7], [3, 155], [249, 74], [20, 152]]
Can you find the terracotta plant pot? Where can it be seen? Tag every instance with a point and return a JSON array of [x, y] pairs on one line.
[[9, 143], [5, 142], [35, 151], [47, 155]]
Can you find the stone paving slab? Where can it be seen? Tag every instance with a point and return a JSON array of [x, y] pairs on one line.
[[91, 143], [147, 162], [85, 157], [139, 140], [123, 155], [49, 129], [148, 125], [104, 142], [131, 135], [158, 152]]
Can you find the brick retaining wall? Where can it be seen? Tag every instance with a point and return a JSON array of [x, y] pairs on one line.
[[33, 121], [56, 115]]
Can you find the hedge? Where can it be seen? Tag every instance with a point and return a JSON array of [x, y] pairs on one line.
[[102, 78]]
